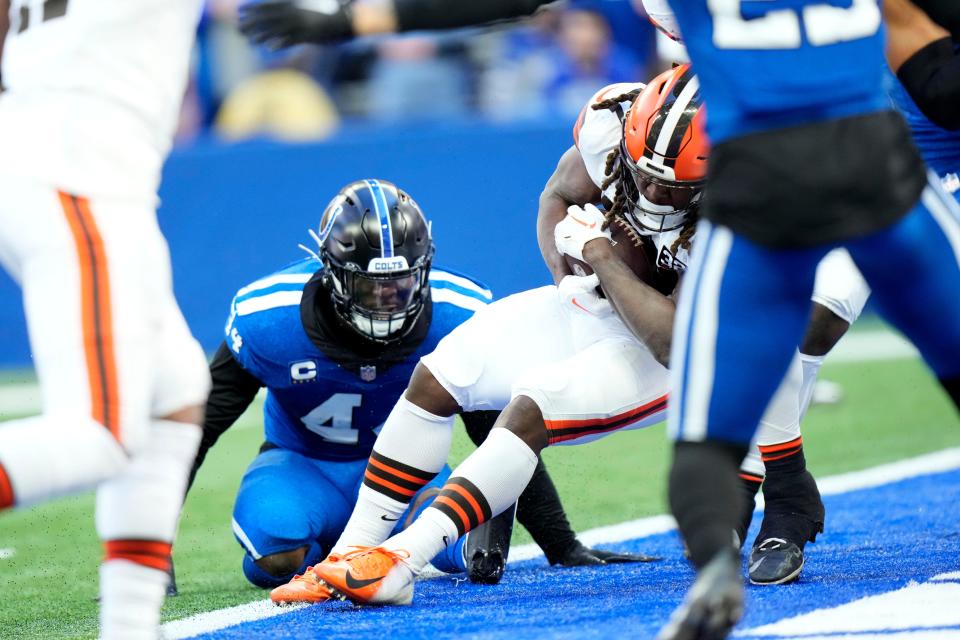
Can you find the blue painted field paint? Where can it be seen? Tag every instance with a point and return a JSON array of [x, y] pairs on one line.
[[234, 212], [877, 540]]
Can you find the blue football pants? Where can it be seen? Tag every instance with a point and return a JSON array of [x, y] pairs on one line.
[[744, 308]]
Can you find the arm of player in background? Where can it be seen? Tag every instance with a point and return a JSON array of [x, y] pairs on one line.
[[234, 388], [569, 184], [646, 312], [922, 55], [285, 23], [449, 14]]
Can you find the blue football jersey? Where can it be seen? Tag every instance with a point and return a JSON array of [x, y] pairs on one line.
[[315, 406], [940, 148], [770, 64]]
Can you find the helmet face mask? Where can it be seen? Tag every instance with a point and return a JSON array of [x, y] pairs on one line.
[[376, 248], [655, 204]]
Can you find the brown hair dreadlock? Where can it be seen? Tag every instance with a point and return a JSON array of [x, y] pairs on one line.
[[616, 173]]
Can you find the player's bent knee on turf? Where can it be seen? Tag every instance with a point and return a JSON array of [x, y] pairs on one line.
[[284, 563]]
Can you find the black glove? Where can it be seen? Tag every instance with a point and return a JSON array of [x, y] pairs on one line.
[[580, 556], [284, 23]]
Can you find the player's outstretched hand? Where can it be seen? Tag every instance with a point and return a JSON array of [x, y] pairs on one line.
[[283, 23], [581, 556], [581, 225]]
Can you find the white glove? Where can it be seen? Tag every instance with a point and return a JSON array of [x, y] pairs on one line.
[[579, 294], [581, 225]]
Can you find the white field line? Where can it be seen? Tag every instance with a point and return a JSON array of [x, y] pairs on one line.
[[937, 462], [928, 606], [857, 346], [7, 552]]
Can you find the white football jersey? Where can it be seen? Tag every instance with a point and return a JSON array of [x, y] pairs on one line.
[[598, 132], [94, 89]]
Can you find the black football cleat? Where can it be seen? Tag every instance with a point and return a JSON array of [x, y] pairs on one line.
[[486, 548], [793, 516], [713, 605], [775, 561]]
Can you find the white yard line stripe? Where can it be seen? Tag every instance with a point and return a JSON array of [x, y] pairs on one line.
[[945, 460], [7, 552], [869, 346], [864, 346], [223, 618]]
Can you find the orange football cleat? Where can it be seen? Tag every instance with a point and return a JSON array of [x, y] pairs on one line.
[[369, 575], [306, 588]]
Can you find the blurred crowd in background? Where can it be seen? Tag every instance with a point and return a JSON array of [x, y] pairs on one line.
[[544, 68]]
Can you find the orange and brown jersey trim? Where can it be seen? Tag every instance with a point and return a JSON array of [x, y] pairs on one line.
[[563, 430], [394, 479], [149, 553], [6, 490], [769, 453], [96, 314], [751, 477], [462, 502]]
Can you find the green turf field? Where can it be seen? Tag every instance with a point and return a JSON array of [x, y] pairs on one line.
[[891, 410]]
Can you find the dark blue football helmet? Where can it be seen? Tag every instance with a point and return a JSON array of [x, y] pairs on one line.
[[376, 247]]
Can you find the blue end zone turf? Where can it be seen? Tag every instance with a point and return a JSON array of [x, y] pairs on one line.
[[876, 541]]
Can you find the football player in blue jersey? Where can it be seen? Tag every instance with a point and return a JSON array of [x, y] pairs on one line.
[[334, 338], [806, 156]]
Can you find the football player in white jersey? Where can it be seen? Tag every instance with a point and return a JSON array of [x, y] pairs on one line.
[[93, 91], [565, 368], [640, 151]]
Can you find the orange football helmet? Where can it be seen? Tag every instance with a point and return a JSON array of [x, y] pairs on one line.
[[664, 151]]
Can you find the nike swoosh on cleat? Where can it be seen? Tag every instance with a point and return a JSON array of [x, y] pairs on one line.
[[756, 565], [353, 583], [389, 519]]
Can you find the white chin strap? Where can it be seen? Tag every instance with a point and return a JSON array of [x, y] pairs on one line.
[[657, 217]]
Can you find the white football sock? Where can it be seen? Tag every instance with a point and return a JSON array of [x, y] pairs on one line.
[[811, 369], [488, 482], [130, 599], [411, 449], [136, 517]]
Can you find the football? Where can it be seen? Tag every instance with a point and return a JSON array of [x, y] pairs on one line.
[[637, 253]]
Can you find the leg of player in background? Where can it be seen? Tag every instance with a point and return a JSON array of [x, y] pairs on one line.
[[165, 372], [96, 287], [61, 262], [918, 294], [137, 516], [742, 311], [794, 512]]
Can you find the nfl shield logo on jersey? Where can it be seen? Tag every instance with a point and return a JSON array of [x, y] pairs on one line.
[[368, 372]]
